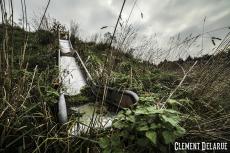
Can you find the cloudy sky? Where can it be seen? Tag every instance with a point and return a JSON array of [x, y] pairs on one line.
[[164, 18]]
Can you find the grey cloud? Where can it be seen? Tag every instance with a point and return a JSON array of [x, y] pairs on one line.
[[163, 15], [166, 18], [190, 13]]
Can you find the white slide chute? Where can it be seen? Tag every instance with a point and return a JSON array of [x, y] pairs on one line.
[[71, 76], [73, 79]]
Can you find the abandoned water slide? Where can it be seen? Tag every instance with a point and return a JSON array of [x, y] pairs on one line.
[[72, 80]]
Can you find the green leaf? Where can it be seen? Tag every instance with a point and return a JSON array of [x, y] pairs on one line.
[[128, 112], [147, 110], [152, 136], [118, 125], [172, 121], [130, 118], [143, 128], [168, 137], [152, 109], [51, 93], [104, 142], [173, 102], [179, 131], [171, 111], [141, 111], [147, 99], [120, 115], [154, 126]]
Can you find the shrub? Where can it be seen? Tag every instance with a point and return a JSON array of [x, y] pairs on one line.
[[145, 129]]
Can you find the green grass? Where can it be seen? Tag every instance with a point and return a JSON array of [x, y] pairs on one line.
[[29, 96]]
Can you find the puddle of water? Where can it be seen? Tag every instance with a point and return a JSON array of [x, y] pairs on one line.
[[89, 116]]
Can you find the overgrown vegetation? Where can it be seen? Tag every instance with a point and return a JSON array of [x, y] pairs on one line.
[[180, 100], [144, 129]]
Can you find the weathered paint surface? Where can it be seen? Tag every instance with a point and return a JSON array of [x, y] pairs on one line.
[[72, 78]]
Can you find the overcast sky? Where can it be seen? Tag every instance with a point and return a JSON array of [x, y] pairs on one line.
[[162, 17]]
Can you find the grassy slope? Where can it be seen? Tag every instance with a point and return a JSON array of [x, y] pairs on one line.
[[203, 96], [152, 83]]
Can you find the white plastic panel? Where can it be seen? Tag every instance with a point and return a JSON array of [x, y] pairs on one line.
[[72, 78], [65, 46]]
